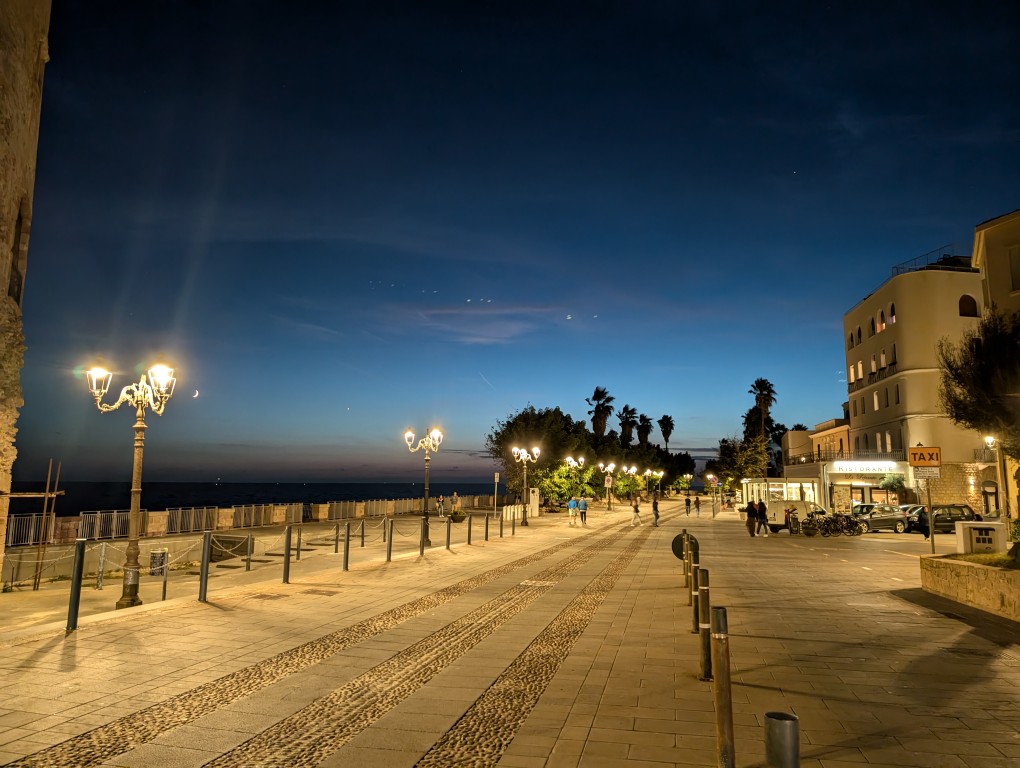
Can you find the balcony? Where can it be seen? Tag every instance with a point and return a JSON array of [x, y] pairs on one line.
[[818, 458], [985, 456]]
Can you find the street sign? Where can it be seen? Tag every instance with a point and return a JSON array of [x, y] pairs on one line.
[[928, 473], [609, 481], [678, 546], [924, 456], [497, 477]]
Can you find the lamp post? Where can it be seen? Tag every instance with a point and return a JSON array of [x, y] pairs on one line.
[[607, 471], [574, 466], [429, 444], [658, 481], [1000, 472], [687, 479], [153, 392], [711, 479], [648, 480], [631, 470], [522, 457]]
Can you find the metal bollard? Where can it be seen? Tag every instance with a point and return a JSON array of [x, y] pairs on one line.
[[704, 625], [203, 570], [249, 551], [692, 565], [166, 573], [336, 539], [286, 555], [501, 525], [299, 542], [347, 546], [513, 522], [687, 560], [449, 526], [102, 565], [695, 607], [362, 533], [722, 693], [486, 526], [76, 576], [384, 526], [782, 740], [389, 543], [470, 518], [421, 541]]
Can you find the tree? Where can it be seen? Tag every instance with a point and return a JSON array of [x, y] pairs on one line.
[[798, 427], [628, 420], [980, 382], [666, 426], [644, 429], [764, 398], [601, 410], [556, 433]]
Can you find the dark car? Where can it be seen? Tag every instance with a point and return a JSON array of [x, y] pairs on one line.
[[946, 517], [876, 517]]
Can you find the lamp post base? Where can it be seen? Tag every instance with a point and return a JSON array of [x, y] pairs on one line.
[[129, 598]]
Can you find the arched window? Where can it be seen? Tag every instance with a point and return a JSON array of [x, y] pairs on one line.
[[875, 400], [874, 364], [857, 443], [968, 306], [881, 319], [888, 442], [851, 374], [855, 407], [871, 327], [850, 341], [865, 436], [841, 446], [886, 397], [897, 394], [881, 360], [860, 369], [858, 334], [892, 313]]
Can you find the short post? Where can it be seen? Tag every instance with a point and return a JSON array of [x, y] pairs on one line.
[[704, 626], [286, 555], [250, 550], [486, 526], [203, 569], [347, 546], [421, 544], [722, 692], [692, 566], [470, 518], [449, 526], [782, 740], [299, 542], [501, 525], [102, 565], [362, 533], [336, 539], [384, 526], [389, 541], [76, 576], [695, 607], [166, 571], [513, 521]]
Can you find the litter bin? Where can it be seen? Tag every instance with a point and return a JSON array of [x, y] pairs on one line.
[[794, 523], [157, 561]]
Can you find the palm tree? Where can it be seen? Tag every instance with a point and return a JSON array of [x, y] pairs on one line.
[[628, 420], [764, 397], [601, 410], [644, 429], [666, 426]]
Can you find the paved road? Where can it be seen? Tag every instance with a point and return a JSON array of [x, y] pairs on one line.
[[559, 647]]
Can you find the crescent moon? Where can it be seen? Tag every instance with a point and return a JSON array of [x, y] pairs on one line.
[[196, 393]]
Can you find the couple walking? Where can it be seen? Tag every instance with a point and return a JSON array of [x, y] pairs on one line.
[[576, 506], [636, 517], [757, 518]]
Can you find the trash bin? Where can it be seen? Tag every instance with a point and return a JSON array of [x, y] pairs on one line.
[[794, 523], [157, 561], [782, 740]]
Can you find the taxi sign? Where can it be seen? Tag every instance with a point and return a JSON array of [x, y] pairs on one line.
[[924, 456]]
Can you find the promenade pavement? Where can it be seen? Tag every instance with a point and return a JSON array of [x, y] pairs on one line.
[[560, 646]]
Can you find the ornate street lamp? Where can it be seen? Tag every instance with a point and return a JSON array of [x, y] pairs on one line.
[[153, 393], [607, 471], [658, 481], [429, 444], [574, 466], [522, 457]]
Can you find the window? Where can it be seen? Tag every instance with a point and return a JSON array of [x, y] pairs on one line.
[[881, 360], [858, 334], [864, 406], [841, 446], [968, 306], [875, 400], [860, 369], [888, 442], [892, 360], [865, 436], [897, 394], [874, 364], [855, 407], [871, 327], [1014, 267], [857, 443], [878, 441], [886, 398], [892, 313], [850, 341], [851, 374], [881, 319]]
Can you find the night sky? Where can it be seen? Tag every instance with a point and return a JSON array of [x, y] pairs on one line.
[[340, 223]]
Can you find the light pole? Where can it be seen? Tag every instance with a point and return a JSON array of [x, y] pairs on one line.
[[688, 479], [429, 444], [522, 457], [711, 479], [153, 393], [607, 471], [631, 470], [648, 480], [658, 481], [1000, 472], [574, 466]]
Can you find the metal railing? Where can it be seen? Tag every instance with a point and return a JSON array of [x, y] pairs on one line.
[[253, 515], [190, 519], [985, 455], [110, 524], [27, 529], [823, 456]]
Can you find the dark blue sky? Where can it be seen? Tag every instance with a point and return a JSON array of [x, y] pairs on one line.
[[340, 223]]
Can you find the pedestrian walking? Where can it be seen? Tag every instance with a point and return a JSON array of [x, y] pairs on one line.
[[440, 502], [763, 518], [582, 510], [572, 511], [687, 504], [751, 517], [636, 517], [697, 506], [655, 512], [455, 503]]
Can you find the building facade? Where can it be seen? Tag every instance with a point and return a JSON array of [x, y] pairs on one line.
[[24, 51]]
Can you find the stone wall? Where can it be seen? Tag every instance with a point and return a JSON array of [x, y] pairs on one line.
[[995, 590], [24, 25], [959, 483]]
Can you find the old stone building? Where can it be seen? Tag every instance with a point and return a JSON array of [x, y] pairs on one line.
[[24, 51]]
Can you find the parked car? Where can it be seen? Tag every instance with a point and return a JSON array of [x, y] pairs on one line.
[[875, 517], [946, 517]]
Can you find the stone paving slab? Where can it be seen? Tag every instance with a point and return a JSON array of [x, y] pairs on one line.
[[835, 631]]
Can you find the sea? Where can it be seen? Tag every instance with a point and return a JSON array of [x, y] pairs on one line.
[[81, 497]]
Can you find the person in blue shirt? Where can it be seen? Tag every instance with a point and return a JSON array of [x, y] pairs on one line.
[[582, 507], [572, 510]]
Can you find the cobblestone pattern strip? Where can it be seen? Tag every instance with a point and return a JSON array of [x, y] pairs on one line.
[[309, 736], [482, 735], [107, 741]]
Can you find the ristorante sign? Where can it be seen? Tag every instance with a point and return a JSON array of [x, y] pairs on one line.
[[863, 467]]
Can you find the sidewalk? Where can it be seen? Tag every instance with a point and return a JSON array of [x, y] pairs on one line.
[[560, 647]]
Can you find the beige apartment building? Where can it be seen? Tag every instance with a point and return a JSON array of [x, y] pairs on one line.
[[890, 340]]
